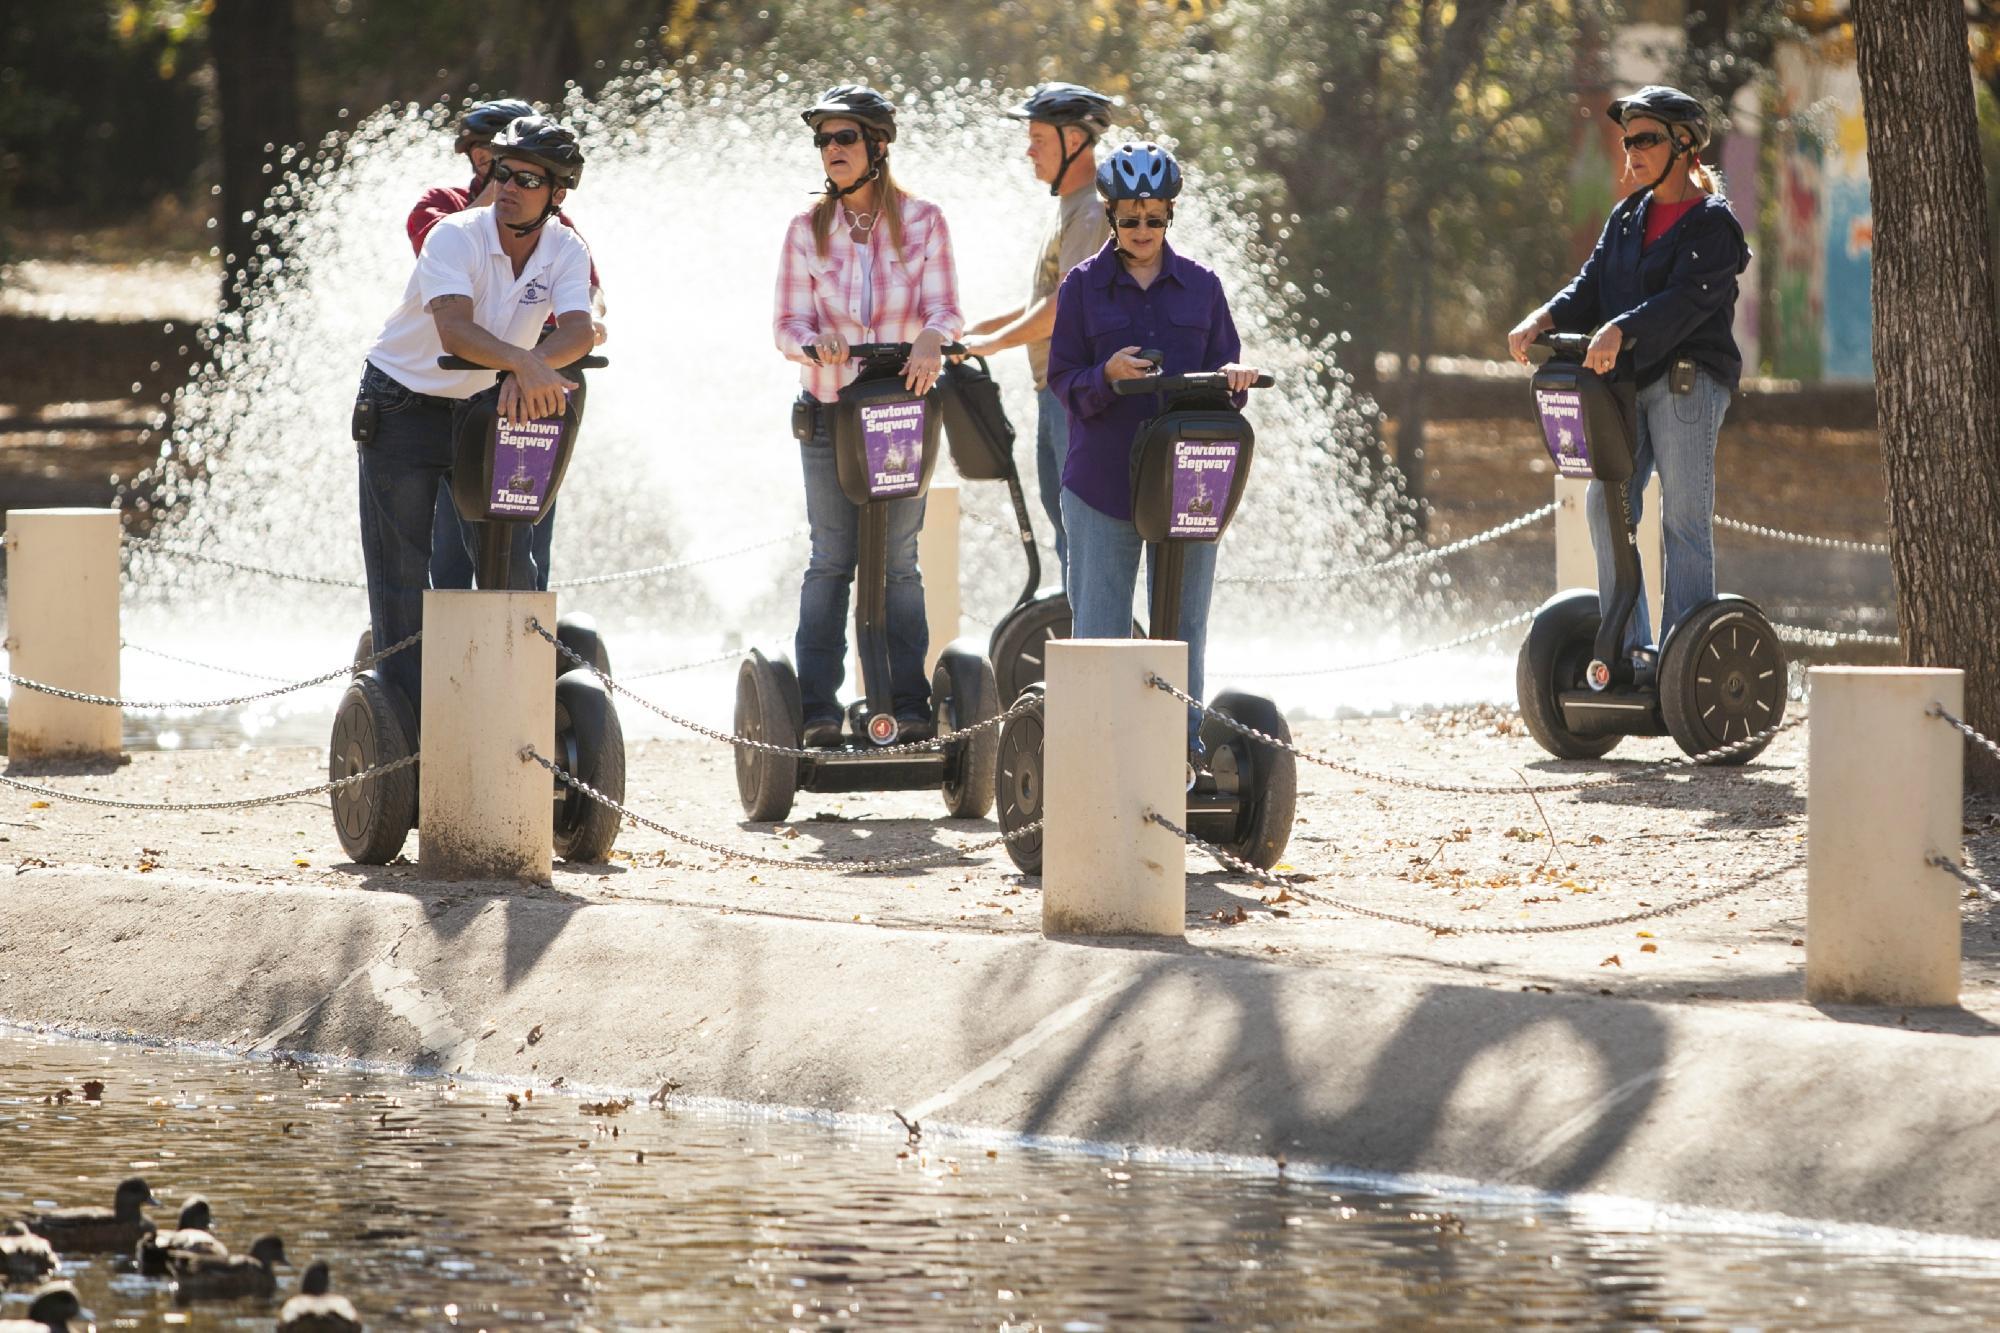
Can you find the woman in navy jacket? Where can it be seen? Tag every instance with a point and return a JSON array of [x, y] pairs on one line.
[[1659, 293]]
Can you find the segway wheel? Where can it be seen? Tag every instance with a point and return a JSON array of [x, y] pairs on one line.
[[1020, 782], [590, 746], [578, 633], [1554, 658], [373, 818], [765, 782], [1019, 649], [1723, 679], [1267, 780], [364, 648], [967, 695]]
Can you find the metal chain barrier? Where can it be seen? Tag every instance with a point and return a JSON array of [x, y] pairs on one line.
[[189, 661], [1965, 877], [675, 566], [365, 775], [1451, 928], [744, 742], [1644, 771], [1409, 560], [1971, 732], [242, 567], [168, 706], [1801, 538], [528, 752], [732, 655], [1827, 638], [1463, 639]]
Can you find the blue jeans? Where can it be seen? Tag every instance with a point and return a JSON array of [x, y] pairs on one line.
[[401, 470], [1677, 435], [1051, 452], [1104, 568], [821, 643], [451, 546]]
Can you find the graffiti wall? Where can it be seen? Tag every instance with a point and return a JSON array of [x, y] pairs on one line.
[[1822, 236]]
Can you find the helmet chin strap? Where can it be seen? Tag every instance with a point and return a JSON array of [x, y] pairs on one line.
[[1055, 186], [1675, 150], [529, 228], [868, 177]]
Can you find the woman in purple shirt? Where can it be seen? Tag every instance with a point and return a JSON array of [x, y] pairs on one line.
[[1135, 294]]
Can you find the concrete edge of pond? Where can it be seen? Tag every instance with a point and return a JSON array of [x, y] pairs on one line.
[[1725, 1108]]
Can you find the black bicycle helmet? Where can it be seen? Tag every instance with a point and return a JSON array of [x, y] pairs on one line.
[[1062, 104], [483, 120], [546, 143], [1139, 171], [1672, 108], [850, 101]]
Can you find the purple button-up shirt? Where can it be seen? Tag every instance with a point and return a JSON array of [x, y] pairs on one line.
[[1099, 310]]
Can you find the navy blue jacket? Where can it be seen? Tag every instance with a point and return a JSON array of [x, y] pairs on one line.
[[1676, 298]]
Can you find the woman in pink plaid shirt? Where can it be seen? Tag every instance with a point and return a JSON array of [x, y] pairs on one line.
[[866, 263]]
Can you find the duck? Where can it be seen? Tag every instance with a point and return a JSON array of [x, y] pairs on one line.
[[97, 1230], [24, 1257], [315, 1309], [54, 1306], [190, 1236], [199, 1277]]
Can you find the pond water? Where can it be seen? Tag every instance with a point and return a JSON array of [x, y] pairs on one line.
[[446, 1204]]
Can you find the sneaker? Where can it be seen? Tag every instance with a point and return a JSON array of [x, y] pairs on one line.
[[910, 729], [821, 735]]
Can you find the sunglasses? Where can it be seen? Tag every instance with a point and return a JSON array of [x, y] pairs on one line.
[[845, 138], [1642, 141], [1150, 224], [527, 180]]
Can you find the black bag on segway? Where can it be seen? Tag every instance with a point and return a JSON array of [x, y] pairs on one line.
[[509, 470], [975, 425], [885, 438], [1189, 467]]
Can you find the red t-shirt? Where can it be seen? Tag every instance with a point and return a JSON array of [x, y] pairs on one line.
[[442, 200], [1659, 217]]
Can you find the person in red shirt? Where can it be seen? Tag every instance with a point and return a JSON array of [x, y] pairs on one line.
[[451, 545]]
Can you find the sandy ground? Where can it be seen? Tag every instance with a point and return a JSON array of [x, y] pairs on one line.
[[1464, 862]]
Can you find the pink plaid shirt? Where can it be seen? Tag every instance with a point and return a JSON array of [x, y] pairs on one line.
[[915, 290]]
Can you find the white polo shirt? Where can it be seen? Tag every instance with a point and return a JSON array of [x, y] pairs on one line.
[[462, 257]]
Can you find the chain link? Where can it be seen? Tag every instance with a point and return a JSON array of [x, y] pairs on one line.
[[1463, 639], [1971, 733], [674, 566], [734, 654], [1830, 637], [1801, 538], [244, 567], [1964, 876], [528, 752], [1409, 560], [793, 752], [1644, 771], [196, 705], [365, 775], [189, 661], [1450, 928]]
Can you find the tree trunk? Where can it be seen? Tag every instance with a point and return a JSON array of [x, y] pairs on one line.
[[1937, 348], [256, 93]]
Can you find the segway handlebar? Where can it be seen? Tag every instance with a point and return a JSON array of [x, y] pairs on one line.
[[1200, 380], [1564, 346], [882, 351], [460, 363]]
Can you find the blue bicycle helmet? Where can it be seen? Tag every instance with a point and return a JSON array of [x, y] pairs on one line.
[[1139, 171]]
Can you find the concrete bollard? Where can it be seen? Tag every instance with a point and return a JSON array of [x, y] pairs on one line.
[[482, 812], [1114, 747], [62, 629], [1886, 790], [937, 557], [1576, 566]]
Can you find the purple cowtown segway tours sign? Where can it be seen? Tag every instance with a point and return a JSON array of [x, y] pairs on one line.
[[1204, 471], [1562, 427], [524, 454], [894, 436]]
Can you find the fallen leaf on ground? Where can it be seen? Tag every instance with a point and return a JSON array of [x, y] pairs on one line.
[[1613, 961], [1649, 948]]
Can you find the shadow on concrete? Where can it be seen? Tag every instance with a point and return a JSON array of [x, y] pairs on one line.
[[536, 914], [822, 842]]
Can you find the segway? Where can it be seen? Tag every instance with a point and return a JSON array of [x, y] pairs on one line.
[[1721, 675], [505, 476], [885, 442], [1190, 465]]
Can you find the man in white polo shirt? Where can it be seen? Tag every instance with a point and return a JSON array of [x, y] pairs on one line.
[[484, 284]]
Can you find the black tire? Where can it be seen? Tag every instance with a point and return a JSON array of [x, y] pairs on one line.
[[966, 694], [765, 782], [364, 648], [579, 634], [1723, 678], [590, 745], [1267, 776], [371, 728], [1019, 780], [1554, 657], [1019, 649]]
